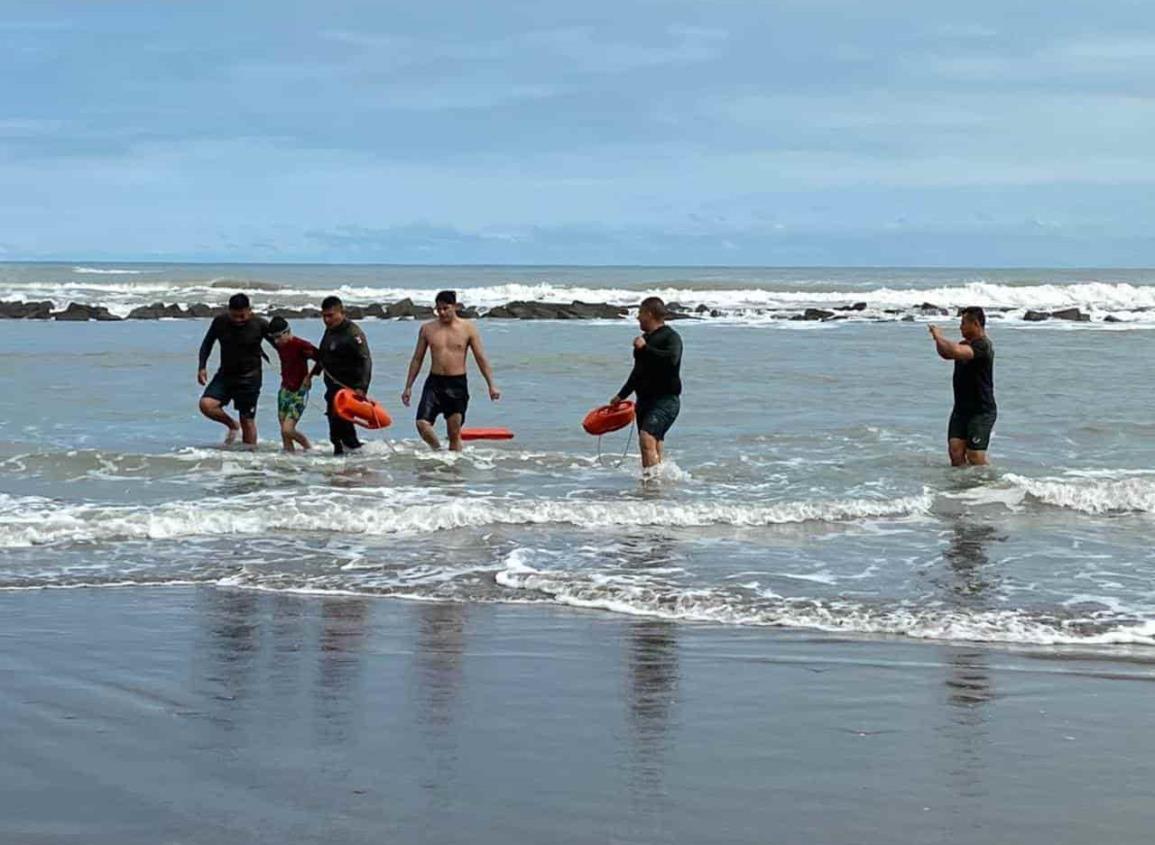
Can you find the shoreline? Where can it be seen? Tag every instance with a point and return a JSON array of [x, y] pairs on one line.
[[200, 714]]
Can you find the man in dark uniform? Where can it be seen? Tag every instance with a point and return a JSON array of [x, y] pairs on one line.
[[346, 362], [238, 380], [975, 412], [656, 378]]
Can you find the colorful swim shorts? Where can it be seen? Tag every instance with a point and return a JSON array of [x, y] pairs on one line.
[[291, 403]]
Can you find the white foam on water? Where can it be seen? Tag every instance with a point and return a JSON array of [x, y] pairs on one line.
[[106, 271], [768, 609], [31, 520], [1135, 494]]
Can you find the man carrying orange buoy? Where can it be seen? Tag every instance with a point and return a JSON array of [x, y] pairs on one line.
[[346, 362], [656, 378], [446, 391]]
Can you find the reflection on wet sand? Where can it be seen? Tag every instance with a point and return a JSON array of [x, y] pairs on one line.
[[438, 663], [968, 682]]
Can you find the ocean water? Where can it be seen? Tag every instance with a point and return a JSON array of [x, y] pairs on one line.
[[806, 484]]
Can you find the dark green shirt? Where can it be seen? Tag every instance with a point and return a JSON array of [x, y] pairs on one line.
[[345, 356], [657, 366], [974, 380]]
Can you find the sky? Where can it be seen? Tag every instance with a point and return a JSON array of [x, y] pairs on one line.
[[657, 132]]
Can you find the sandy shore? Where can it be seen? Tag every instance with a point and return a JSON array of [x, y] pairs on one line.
[[201, 715]]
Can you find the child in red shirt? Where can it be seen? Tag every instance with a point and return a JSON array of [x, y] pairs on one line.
[[296, 379]]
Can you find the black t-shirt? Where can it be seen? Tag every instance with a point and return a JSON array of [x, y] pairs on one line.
[[974, 380], [345, 356], [657, 366], [240, 347]]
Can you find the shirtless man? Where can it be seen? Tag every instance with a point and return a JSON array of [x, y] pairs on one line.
[[446, 391]]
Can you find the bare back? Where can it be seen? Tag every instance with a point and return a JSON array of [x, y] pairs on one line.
[[447, 346]]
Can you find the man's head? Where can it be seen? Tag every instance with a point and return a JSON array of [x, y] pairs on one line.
[[279, 330], [445, 306], [651, 314], [332, 311], [973, 323], [240, 309]]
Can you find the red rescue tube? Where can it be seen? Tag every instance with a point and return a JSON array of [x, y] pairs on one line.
[[364, 412], [609, 418], [486, 434]]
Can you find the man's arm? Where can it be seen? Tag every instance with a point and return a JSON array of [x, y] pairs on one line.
[[205, 350], [414, 366], [949, 350], [668, 348], [474, 343], [627, 388], [361, 350]]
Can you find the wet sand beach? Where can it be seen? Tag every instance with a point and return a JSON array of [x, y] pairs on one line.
[[209, 715]]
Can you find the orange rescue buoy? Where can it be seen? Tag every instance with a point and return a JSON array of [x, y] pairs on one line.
[[609, 418], [486, 434], [364, 412]]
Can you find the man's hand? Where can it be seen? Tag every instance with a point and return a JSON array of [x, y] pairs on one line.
[[639, 342], [494, 393], [307, 383], [360, 394], [202, 377], [406, 395], [935, 331], [615, 400]]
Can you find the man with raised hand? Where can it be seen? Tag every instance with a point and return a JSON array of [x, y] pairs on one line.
[[974, 414], [238, 379], [656, 378], [448, 338]]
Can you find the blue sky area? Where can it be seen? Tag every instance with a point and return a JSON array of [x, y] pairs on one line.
[[645, 132]]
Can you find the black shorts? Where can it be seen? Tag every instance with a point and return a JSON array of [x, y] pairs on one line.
[[243, 393], [445, 395], [974, 428], [656, 414]]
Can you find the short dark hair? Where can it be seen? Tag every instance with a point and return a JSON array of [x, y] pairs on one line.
[[238, 302], [975, 313], [277, 325], [654, 306], [332, 302], [449, 297]]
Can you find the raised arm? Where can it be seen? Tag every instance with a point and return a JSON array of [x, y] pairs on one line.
[[482, 360], [668, 348], [414, 366], [950, 350]]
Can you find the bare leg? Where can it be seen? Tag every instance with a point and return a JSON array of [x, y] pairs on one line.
[[957, 447], [425, 429], [651, 449], [302, 439], [287, 439], [212, 409], [453, 427], [977, 458], [249, 432]]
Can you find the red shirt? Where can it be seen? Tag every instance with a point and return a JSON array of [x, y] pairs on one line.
[[295, 354]]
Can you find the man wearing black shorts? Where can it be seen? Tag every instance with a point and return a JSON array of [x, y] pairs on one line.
[[239, 332], [975, 412], [448, 339], [656, 378], [346, 362]]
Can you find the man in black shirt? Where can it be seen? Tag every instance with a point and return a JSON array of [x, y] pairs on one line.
[[346, 362], [656, 378], [238, 380], [975, 412]]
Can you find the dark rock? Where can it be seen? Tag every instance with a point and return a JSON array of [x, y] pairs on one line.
[[597, 310], [157, 311], [468, 313], [25, 310], [375, 309], [814, 314], [909, 318], [76, 312], [202, 311], [1036, 316], [858, 306], [930, 308], [406, 308], [532, 311], [679, 315], [296, 313], [1111, 318], [354, 312], [1071, 314], [716, 313], [702, 309]]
